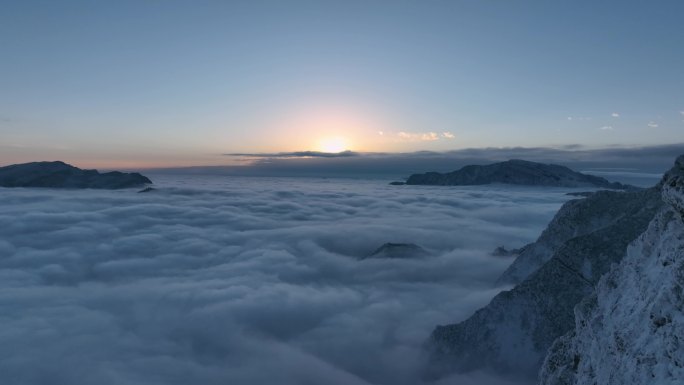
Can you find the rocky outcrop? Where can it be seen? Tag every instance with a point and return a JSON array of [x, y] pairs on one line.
[[398, 250], [602, 209], [631, 329], [518, 172], [61, 175], [673, 186], [501, 251], [513, 332]]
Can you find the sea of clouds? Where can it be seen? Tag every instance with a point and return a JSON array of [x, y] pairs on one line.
[[240, 280]]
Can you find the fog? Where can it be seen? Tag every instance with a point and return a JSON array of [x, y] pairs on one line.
[[243, 280]]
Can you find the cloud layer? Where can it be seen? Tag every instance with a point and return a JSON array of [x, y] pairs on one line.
[[246, 280]]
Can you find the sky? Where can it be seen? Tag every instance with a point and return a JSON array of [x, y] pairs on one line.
[[179, 83]]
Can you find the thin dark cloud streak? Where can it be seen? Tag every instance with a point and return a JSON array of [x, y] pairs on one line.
[[297, 154]]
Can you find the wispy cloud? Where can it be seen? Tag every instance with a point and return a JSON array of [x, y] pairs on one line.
[[615, 115], [653, 124], [448, 135], [418, 136], [579, 118], [606, 128]]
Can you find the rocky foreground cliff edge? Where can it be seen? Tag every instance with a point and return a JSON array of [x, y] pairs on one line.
[[630, 331], [512, 334]]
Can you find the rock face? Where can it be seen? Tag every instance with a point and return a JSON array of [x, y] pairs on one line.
[[515, 171], [399, 250], [631, 329], [61, 175], [501, 251], [602, 209], [512, 334]]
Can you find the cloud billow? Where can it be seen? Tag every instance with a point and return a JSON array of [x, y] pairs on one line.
[[246, 280]]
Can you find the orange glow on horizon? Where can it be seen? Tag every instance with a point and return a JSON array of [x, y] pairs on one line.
[[333, 145], [324, 128]]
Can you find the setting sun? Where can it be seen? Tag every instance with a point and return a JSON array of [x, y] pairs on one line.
[[336, 144]]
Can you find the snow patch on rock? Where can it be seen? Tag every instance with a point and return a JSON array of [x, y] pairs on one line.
[[577, 217]]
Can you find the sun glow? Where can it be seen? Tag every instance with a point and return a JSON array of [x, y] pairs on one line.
[[333, 145]]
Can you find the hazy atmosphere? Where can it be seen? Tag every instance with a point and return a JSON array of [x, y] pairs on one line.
[[305, 192]]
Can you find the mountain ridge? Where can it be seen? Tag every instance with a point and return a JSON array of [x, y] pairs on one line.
[[518, 172], [57, 174]]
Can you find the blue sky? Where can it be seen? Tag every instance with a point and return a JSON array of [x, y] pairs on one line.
[[180, 82]]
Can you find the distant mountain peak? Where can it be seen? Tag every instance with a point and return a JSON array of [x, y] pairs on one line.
[[517, 172], [58, 174]]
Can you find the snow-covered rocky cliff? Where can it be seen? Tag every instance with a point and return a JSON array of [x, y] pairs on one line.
[[514, 331], [577, 217], [631, 329]]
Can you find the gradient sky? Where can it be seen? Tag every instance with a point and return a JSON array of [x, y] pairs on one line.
[[162, 83]]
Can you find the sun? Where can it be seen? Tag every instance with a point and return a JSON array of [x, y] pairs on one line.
[[337, 144]]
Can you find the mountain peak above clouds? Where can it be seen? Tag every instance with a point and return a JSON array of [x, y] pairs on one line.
[[517, 172], [57, 174]]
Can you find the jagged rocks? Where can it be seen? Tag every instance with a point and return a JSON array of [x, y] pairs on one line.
[[631, 329], [579, 217]]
